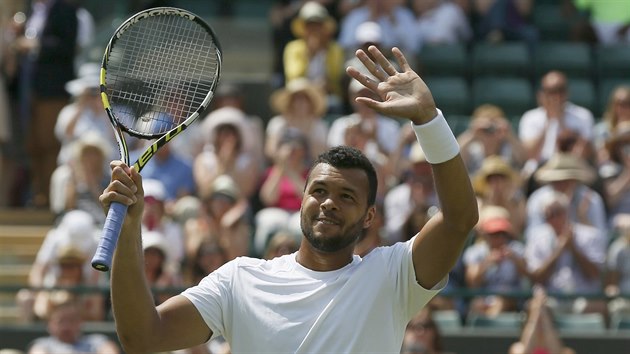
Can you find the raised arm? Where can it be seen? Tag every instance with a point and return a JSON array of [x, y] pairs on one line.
[[404, 95], [175, 324]]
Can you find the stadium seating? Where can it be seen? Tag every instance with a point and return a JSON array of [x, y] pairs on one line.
[[550, 21], [620, 322], [447, 320], [505, 59], [513, 95], [451, 94], [507, 321], [582, 92], [575, 59], [588, 322], [444, 60], [612, 61]]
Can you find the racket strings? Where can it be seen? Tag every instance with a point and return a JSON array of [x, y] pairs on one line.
[[159, 73]]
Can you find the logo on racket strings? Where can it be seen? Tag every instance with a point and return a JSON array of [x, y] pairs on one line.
[[151, 13]]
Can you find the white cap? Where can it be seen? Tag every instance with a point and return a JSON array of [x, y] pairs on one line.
[[155, 239], [368, 32], [154, 188]]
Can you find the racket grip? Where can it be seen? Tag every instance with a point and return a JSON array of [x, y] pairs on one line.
[[102, 259]]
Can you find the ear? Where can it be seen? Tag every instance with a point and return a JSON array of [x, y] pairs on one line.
[[369, 217]]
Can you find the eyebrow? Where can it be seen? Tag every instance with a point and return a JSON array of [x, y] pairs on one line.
[[345, 188]]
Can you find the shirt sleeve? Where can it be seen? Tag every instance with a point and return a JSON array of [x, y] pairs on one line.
[[212, 297]]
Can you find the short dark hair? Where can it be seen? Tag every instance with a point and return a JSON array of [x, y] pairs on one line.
[[348, 157]]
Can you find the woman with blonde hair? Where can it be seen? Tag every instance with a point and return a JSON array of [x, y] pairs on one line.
[[617, 111]]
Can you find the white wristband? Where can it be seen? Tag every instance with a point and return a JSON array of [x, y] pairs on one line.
[[437, 139]]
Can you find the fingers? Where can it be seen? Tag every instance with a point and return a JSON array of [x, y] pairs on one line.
[[383, 62], [125, 186], [363, 79], [402, 61]]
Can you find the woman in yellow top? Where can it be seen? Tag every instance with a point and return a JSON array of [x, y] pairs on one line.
[[315, 54]]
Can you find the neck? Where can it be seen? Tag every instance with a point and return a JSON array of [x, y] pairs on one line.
[[319, 261]]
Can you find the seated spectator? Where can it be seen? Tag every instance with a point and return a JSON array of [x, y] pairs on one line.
[[617, 111], [567, 257], [301, 105], [539, 336], [232, 94], [496, 183], [441, 22], [617, 181], [282, 189], [84, 114], [395, 19], [208, 258], [423, 335], [158, 271], [504, 20], [495, 264], [373, 235], [78, 183], [490, 133], [175, 172], [315, 53], [609, 18], [382, 131], [77, 229], [413, 199], [557, 125], [70, 261], [572, 177], [223, 218], [227, 151], [155, 218], [367, 33], [65, 334], [280, 243], [618, 267]]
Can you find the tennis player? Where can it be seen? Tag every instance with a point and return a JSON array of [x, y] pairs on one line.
[[321, 299]]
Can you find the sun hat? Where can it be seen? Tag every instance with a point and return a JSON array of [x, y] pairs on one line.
[[563, 167], [496, 225], [88, 78], [281, 98], [70, 254], [312, 11], [416, 154], [225, 116], [493, 219], [224, 185], [92, 139], [493, 165]]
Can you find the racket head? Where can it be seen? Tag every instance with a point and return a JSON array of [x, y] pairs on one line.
[[159, 71]]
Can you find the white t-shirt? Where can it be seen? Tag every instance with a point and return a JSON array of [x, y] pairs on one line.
[[279, 306], [534, 123]]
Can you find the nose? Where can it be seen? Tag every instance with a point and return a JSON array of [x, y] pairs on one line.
[[328, 204]]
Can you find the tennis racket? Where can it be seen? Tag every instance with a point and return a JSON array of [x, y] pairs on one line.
[[158, 74]]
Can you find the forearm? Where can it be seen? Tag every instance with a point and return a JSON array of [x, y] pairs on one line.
[[541, 274], [269, 192], [589, 268], [132, 302]]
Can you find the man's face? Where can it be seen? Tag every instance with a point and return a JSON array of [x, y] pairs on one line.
[[334, 209]]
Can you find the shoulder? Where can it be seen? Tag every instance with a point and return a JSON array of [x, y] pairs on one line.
[[579, 111]]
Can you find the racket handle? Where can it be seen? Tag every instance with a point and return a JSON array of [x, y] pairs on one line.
[[102, 260]]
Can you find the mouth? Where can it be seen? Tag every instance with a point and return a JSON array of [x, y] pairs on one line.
[[327, 220]]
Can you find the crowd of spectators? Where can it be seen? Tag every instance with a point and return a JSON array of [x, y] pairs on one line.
[[553, 191]]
